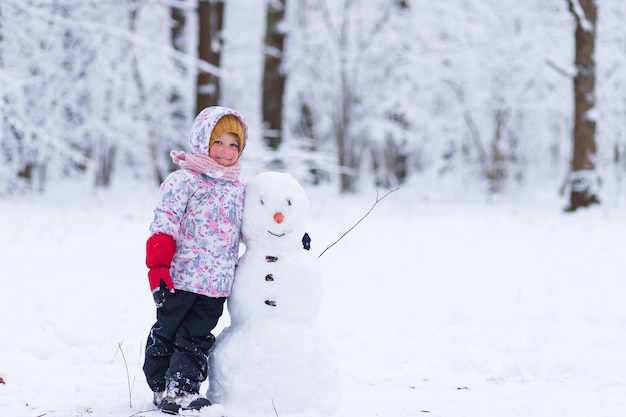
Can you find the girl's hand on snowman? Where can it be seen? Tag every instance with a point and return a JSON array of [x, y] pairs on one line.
[[160, 249]]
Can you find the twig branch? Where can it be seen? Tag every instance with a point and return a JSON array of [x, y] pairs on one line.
[[274, 406], [130, 397], [378, 200], [558, 69]]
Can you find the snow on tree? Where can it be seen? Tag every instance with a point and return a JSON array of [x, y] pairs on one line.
[[377, 92], [343, 67], [86, 84]]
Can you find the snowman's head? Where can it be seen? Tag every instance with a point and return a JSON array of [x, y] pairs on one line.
[[275, 210]]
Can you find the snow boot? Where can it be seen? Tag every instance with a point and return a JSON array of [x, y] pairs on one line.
[[157, 398], [173, 405], [198, 403], [169, 406]]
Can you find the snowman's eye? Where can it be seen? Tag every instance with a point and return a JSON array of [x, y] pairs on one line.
[[262, 202], [289, 202]]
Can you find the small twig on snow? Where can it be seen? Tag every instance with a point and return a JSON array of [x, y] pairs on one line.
[[378, 200], [130, 389], [274, 406]]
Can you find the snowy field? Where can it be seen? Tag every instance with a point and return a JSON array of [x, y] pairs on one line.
[[435, 306]]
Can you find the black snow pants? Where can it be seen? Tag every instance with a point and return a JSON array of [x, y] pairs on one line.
[[178, 345]]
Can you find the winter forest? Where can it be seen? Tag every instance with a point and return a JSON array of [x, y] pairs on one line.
[[491, 284], [500, 94]]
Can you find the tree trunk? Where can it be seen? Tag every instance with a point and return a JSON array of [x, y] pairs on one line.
[[104, 163], [345, 140], [179, 18], [582, 181], [274, 78], [178, 28], [211, 22]]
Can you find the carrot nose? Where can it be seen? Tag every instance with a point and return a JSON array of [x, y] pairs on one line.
[[278, 216]]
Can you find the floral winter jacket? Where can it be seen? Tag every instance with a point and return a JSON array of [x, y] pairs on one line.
[[203, 215]]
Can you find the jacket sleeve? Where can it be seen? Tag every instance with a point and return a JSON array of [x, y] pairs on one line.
[[175, 193]]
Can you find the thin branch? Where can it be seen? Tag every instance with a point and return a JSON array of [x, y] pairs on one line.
[[377, 27], [574, 10], [558, 69], [109, 30], [378, 200], [130, 396], [578, 11], [334, 33], [274, 406]]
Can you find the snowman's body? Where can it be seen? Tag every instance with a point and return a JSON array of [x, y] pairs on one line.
[[274, 354]]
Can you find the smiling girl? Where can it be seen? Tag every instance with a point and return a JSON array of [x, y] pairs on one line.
[[191, 255]]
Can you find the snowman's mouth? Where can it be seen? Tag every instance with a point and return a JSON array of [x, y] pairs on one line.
[[274, 234]]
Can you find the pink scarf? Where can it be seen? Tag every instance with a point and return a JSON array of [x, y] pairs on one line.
[[204, 164]]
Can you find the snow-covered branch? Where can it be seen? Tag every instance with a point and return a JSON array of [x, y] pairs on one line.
[[579, 14]]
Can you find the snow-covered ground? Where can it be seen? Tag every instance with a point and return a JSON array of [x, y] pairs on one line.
[[435, 307]]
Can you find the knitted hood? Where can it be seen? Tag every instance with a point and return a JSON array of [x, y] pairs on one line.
[[203, 126]]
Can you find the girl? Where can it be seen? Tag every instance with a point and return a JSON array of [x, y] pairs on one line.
[[191, 255]]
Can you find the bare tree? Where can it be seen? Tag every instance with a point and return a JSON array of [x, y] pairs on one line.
[[582, 180], [211, 22], [274, 77], [355, 57]]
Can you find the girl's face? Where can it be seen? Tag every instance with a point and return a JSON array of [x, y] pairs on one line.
[[225, 149]]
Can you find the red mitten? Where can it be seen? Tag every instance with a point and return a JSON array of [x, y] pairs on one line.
[[160, 250]]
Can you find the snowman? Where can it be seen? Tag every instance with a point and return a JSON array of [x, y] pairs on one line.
[[274, 357]]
